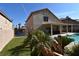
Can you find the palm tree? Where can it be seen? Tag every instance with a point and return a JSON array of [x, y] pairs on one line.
[[39, 43]]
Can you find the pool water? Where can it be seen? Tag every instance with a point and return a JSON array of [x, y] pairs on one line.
[[75, 37]]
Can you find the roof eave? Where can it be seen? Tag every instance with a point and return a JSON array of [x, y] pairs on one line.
[[4, 15]]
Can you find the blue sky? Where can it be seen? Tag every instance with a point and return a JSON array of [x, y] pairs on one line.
[[19, 12]]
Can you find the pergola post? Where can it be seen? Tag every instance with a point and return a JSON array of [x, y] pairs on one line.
[[60, 29], [71, 28], [67, 28], [51, 30]]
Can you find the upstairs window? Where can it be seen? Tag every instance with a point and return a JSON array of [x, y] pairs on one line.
[[46, 18]]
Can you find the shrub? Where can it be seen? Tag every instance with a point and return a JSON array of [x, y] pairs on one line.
[[63, 40], [74, 51]]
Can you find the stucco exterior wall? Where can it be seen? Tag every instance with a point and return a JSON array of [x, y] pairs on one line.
[[38, 18], [52, 18], [37, 21], [29, 24], [6, 31]]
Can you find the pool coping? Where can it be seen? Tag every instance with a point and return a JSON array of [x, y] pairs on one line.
[[64, 34]]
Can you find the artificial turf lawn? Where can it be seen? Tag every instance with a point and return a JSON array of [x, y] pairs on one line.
[[17, 41]]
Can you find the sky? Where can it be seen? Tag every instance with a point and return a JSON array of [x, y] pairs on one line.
[[18, 12]]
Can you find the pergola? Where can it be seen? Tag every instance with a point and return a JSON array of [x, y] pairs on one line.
[[60, 25]]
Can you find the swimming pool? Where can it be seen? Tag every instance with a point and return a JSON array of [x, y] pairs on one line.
[[75, 37]]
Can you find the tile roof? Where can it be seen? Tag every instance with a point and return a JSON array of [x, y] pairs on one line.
[[70, 21]]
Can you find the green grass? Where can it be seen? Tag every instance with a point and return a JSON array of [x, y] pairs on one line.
[[17, 41]]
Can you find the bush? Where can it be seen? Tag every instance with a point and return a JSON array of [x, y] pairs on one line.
[[63, 40], [74, 51]]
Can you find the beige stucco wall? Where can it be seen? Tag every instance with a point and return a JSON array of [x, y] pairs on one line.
[[29, 24], [6, 31], [38, 18], [37, 21]]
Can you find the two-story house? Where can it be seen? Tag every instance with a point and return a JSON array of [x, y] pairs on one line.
[[47, 21]]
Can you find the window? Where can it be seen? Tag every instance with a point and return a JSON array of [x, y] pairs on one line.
[[45, 18]]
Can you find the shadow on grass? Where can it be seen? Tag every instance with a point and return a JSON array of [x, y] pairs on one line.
[[18, 50]]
